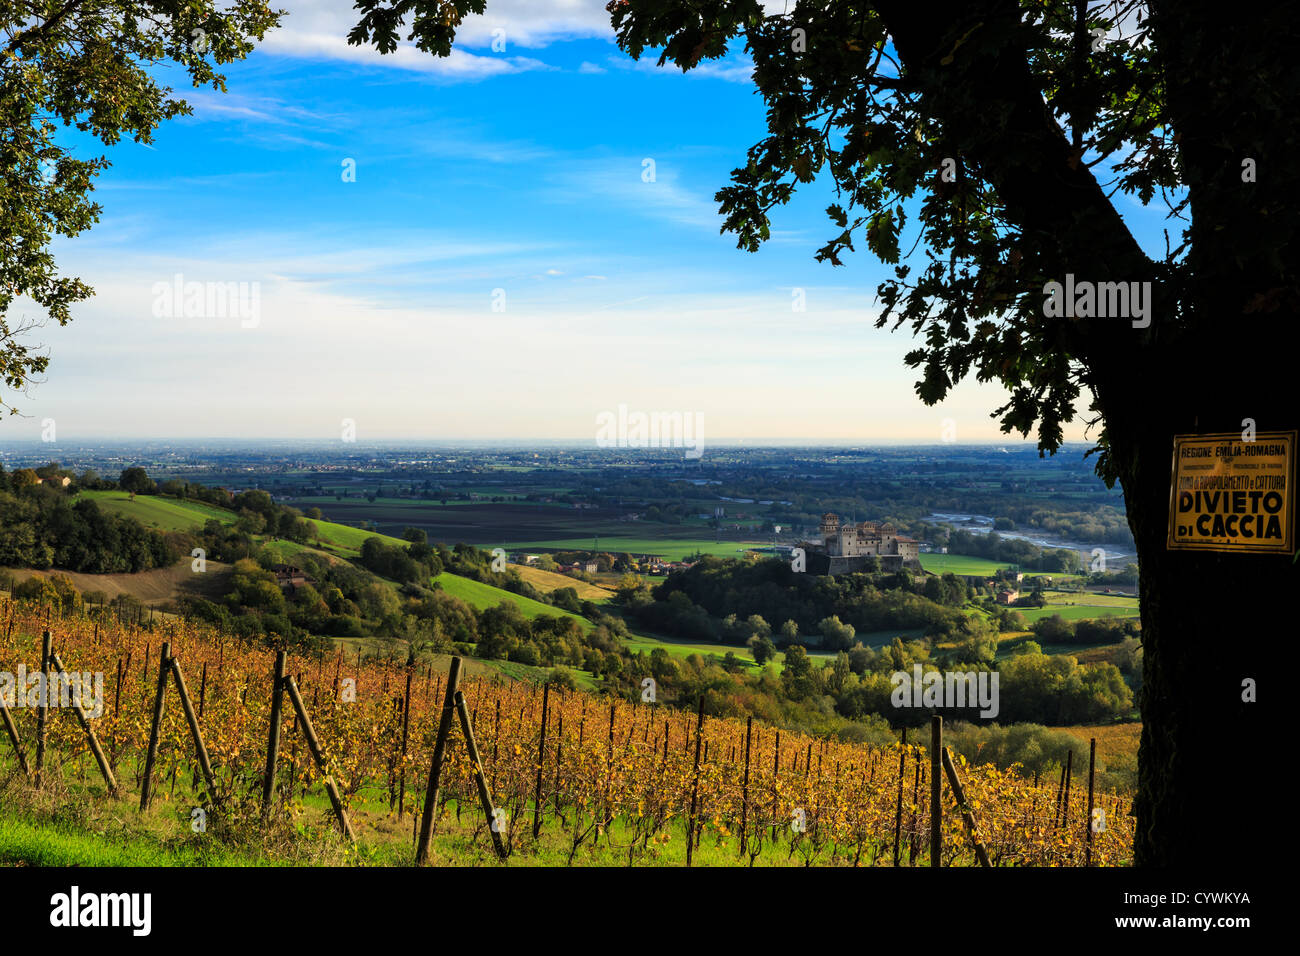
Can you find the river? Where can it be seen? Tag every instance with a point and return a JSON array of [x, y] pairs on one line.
[[983, 524]]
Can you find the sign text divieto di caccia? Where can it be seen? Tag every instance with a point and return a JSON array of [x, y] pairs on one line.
[[1233, 495]]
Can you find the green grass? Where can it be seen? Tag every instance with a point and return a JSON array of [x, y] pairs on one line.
[[960, 564], [668, 549], [383, 840], [26, 841], [1091, 599], [483, 596], [1009, 644], [157, 511], [1076, 612], [1078, 606], [348, 540], [643, 643]]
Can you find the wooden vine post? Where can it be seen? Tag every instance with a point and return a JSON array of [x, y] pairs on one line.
[[967, 814], [313, 744], [484, 795], [273, 738], [406, 729], [1065, 803], [84, 720], [155, 728], [41, 715], [541, 761], [744, 787], [12, 730], [936, 789], [695, 786], [898, 811], [1087, 823], [200, 749], [435, 765]]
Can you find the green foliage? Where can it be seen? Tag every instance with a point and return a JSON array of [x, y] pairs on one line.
[[762, 649], [686, 603], [94, 67], [54, 591], [41, 527], [137, 482], [835, 634]]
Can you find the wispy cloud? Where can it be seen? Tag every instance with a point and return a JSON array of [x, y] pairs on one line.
[[619, 180], [734, 68]]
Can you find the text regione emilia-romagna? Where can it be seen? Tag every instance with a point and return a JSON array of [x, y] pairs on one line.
[[1228, 494]]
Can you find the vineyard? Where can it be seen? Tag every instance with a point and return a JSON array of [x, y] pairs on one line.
[[596, 779]]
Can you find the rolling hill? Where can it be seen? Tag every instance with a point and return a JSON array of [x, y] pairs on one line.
[[482, 596], [178, 514]]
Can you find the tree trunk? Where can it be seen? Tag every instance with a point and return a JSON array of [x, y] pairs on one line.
[[1207, 617], [1212, 356]]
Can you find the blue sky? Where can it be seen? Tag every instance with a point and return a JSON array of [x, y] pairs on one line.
[[518, 170]]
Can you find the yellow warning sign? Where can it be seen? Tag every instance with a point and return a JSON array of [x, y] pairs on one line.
[[1233, 495]]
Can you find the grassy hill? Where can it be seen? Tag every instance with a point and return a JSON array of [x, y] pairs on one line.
[[159, 511], [179, 514], [482, 596]]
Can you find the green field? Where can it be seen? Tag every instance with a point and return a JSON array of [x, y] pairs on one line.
[[482, 596], [960, 564], [1077, 606], [156, 511], [1091, 598], [1076, 612], [347, 540], [668, 549]]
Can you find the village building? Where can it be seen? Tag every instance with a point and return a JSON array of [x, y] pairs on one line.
[[290, 578]]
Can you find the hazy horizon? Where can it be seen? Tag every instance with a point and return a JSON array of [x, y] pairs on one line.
[[516, 442]]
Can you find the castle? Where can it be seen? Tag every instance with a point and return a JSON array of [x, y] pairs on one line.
[[846, 547]]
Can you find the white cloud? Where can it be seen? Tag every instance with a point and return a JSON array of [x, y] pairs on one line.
[[318, 29], [458, 65]]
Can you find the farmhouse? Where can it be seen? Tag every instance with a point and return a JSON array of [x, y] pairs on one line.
[[1008, 597], [844, 548], [289, 577], [59, 481]]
